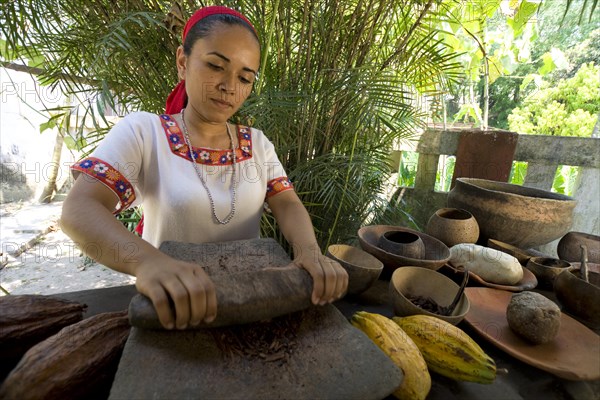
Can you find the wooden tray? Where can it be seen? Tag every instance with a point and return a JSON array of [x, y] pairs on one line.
[[573, 354], [528, 282]]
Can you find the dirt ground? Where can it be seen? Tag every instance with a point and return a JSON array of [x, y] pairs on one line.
[[53, 264]]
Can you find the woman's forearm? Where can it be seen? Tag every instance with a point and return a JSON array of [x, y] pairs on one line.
[[330, 280], [97, 232], [295, 224]]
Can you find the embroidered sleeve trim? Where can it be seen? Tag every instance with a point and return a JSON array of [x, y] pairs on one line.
[[109, 176], [278, 185], [205, 155]]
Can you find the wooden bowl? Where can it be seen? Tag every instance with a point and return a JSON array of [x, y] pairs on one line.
[[522, 216], [578, 297], [436, 252], [416, 281], [569, 249], [363, 268], [546, 269]]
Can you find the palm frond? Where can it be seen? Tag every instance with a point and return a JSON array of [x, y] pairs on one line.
[[338, 86]]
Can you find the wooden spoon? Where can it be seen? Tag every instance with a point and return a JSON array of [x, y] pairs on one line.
[[450, 309]]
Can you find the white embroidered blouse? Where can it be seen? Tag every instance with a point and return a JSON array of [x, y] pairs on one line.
[[144, 159]]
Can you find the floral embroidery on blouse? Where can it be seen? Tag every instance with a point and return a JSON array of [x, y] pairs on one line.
[[203, 155], [111, 177], [278, 185]]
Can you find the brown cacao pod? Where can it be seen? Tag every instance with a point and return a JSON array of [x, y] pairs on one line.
[[78, 362], [26, 320]]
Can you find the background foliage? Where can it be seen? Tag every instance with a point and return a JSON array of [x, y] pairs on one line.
[[561, 44], [569, 107], [337, 86], [341, 82]]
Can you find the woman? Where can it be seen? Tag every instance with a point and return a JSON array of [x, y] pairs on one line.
[[214, 193]]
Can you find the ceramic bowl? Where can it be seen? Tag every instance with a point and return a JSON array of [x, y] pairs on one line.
[[402, 243], [363, 268], [522, 216], [546, 269], [569, 249], [578, 297], [416, 281], [453, 226], [436, 252]]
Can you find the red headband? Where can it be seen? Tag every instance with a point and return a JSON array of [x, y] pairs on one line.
[[178, 97], [212, 10]]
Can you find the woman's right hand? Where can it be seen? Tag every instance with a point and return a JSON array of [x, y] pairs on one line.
[[189, 288], [88, 219]]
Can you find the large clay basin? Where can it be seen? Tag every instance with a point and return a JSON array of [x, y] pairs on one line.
[[522, 216]]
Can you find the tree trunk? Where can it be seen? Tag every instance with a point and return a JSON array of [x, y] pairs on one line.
[[50, 187], [444, 111], [486, 95]]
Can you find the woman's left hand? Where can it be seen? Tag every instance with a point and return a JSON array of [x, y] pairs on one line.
[[330, 279]]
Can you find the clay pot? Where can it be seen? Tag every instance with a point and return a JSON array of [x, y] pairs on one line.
[[546, 269], [522, 216], [363, 269], [569, 249], [579, 297], [453, 226], [416, 281], [402, 243]]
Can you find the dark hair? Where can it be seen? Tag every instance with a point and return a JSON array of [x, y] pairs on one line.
[[205, 26]]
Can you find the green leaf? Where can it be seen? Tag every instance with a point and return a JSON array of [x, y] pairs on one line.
[[559, 184], [3, 49], [494, 69], [473, 26], [490, 7], [453, 42], [6, 53], [58, 114], [537, 79], [508, 63], [548, 64], [474, 66], [36, 61], [70, 143], [50, 124], [518, 172], [73, 144], [522, 16]]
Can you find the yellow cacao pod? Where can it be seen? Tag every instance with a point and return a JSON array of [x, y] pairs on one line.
[[401, 349], [448, 350]]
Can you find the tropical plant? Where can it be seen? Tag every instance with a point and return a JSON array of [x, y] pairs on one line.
[[568, 108], [492, 37], [561, 44], [337, 87]]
